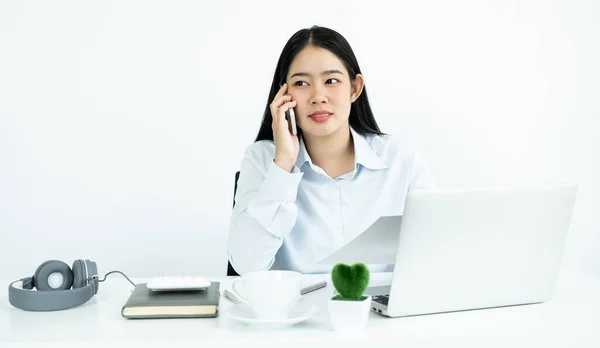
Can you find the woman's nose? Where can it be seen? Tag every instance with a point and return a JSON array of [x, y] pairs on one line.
[[318, 97]]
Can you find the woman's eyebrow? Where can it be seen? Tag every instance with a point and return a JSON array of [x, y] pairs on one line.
[[326, 72]]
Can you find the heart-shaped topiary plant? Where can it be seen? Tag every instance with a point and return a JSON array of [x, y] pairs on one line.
[[350, 281]]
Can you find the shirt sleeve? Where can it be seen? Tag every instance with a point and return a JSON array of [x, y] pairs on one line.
[[264, 213], [421, 176]]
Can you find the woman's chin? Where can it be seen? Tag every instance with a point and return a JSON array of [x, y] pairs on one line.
[[319, 130]]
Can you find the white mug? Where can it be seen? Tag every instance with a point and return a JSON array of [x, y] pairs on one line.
[[270, 294]]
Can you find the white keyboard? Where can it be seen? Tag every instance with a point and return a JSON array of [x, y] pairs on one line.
[[178, 283]]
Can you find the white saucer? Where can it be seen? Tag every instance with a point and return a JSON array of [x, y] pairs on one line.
[[301, 312]]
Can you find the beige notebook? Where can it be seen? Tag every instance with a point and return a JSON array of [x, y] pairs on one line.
[[144, 303]]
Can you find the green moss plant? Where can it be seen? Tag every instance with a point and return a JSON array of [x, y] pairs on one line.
[[350, 281]]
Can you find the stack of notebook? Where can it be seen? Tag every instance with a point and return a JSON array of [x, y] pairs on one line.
[[144, 303]]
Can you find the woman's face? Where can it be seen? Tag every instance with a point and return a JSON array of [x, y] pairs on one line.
[[318, 81]]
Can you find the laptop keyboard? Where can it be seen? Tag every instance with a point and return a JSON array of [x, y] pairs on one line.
[[383, 299]]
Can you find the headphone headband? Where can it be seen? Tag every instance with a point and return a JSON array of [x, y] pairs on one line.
[[31, 300]]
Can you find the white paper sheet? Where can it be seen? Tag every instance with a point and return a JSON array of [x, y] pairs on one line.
[[378, 244]]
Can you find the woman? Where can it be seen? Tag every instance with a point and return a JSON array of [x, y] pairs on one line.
[[301, 197]]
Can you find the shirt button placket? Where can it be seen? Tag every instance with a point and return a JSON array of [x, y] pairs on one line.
[[337, 222]]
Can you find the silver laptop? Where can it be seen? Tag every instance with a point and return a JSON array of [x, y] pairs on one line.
[[464, 249]]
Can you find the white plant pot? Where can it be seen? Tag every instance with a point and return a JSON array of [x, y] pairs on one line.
[[349, 315]]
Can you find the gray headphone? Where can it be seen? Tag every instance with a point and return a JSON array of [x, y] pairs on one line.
[[83, 279]]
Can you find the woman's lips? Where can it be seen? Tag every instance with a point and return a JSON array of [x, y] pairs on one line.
[[320, 116]]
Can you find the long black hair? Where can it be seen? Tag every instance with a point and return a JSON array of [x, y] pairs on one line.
[[361, 116]]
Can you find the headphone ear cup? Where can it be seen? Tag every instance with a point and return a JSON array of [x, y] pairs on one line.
[[92, 274], [78, 274], [43, 272]]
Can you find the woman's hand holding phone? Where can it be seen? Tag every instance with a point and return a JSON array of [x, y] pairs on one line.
[[286, 143]]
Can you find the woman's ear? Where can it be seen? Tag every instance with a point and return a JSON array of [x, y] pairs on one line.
[[357, 87]]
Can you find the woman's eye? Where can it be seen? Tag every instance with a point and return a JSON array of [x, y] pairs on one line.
[[300, 83], [332, 81]]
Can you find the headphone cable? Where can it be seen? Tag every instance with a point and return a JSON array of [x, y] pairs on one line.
[[123, 274]]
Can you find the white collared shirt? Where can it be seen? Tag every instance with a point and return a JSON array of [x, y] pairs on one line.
[[291, 220]]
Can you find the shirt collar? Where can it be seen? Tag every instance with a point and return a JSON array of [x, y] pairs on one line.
[[303, 156], [363, 153]]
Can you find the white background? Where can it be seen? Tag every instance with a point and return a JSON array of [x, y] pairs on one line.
[[122, 123]]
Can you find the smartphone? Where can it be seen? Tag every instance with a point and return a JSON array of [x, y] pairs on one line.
[[290, 115]]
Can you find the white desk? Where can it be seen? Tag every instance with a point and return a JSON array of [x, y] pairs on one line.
[[571, 319]]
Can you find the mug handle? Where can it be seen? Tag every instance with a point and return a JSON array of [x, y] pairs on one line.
[[237, 293]]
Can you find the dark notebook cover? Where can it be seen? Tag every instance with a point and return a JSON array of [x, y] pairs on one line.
[[145, 303]]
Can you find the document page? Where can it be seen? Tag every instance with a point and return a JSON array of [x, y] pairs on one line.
[[378, 244]]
